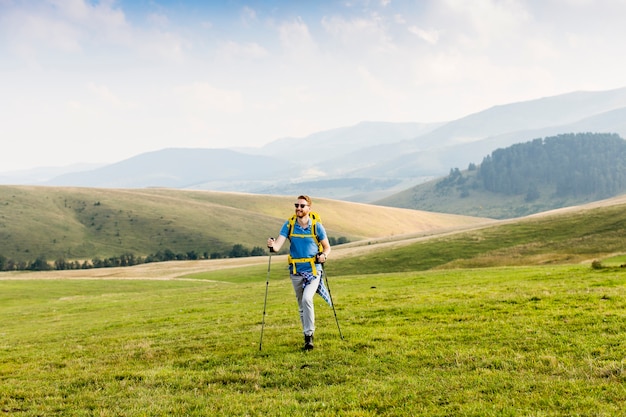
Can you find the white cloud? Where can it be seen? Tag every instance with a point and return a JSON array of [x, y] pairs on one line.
[[78, 28], [104, 94], [483, 24], [378, 87], [248, 15], [230, 50], [101, 18], [168, 47], [158, 19], [296, 40], [430, 36], [72, 9], [203, 98], [32, 33], [360, 34]]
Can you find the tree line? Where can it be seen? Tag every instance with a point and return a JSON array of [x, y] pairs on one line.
[[129, 259], [575, 164]]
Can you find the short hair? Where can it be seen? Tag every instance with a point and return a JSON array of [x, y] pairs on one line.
[[305, 197]]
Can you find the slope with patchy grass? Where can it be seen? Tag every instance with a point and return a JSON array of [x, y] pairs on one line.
[[571, 235], [83, 223]]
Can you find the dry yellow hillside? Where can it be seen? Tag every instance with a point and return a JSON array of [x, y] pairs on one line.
[[344, 218], [84, 223]]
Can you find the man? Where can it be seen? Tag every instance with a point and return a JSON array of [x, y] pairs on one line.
[[306, 257]]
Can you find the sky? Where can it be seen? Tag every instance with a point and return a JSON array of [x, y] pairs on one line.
[[99, 81]]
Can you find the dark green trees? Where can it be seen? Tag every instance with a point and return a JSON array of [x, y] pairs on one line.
[[574, 164]]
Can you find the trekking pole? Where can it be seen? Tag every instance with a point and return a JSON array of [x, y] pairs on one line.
[[332, 302], [267, 284]]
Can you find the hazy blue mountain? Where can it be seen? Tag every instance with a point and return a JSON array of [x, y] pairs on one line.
[[469, 139], [333, 143], [369, 160], [176, 168], [437, 161], [41, 174], [523, 116]]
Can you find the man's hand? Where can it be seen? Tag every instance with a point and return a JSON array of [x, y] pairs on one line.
[[270, 243], [321, 257]]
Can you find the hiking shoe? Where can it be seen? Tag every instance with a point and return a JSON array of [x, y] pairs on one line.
[[308, 342]]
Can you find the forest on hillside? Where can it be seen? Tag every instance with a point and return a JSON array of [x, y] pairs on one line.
[[573, 165], [576, 164], [527, 178]]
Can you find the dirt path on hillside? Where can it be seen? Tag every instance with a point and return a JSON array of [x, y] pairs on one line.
[[152, 271]]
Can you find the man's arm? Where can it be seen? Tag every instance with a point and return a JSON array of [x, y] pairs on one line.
[[321, 257], [275, 244]]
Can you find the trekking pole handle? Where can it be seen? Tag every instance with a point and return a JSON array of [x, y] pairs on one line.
[[271, 248]]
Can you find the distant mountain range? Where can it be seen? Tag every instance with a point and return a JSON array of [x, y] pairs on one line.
[[360, 163]]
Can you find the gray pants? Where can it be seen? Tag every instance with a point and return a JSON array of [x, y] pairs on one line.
[[305, 302]]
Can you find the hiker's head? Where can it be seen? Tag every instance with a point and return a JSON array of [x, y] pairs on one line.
[[303, 203], [305, 198]]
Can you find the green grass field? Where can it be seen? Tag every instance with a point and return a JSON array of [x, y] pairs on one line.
[[512, 341], [521, 318]]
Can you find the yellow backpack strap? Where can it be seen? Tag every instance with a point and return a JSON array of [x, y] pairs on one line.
[[293, 262], [314, 220], [291, 225]]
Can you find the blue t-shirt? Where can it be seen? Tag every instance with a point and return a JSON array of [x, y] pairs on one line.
[[303, 247]]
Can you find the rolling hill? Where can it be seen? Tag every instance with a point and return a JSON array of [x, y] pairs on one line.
[[571, 235], [589, 234], [83, 223]]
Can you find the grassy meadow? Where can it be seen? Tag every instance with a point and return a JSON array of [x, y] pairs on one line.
[[514, 341], [513, 319]]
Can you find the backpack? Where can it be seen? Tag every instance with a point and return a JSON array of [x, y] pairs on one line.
[[315, 218]]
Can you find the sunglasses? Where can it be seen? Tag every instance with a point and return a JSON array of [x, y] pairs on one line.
[[300, 205]]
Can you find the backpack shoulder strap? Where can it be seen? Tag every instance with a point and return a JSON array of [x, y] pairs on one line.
[[290, 225], [315, 218]]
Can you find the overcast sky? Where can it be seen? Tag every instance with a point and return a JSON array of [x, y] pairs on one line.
[[100, 81]]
